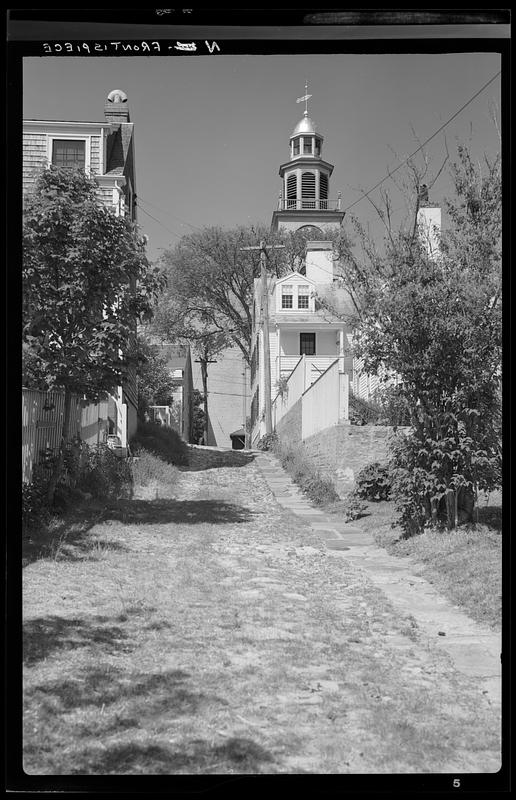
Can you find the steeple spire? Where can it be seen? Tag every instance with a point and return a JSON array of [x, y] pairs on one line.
[[305, 99]]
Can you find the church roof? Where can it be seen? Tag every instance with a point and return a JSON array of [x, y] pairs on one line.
[[305, 125]]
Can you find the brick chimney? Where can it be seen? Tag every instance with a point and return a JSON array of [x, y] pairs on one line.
[[116, 109]]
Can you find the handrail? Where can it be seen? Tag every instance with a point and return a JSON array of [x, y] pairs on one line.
[[308, 204]]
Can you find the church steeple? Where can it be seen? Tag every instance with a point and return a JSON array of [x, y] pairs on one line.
[[305, 198]]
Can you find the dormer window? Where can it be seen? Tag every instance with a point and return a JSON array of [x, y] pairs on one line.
[[69, 153], [287, 295]]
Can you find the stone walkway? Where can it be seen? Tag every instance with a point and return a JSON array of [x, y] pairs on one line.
[[474, 649]]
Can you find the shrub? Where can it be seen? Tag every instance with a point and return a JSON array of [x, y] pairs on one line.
[[103, 474], [164, 442], [34, 501], [363, 412], [373, 482], [268, 442], [354, 508]]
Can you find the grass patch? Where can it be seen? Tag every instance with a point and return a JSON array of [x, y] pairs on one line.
[[149, 469], [463, 564], [319, 488]]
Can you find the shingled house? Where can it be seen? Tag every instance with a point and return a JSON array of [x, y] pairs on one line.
[[105, 150]]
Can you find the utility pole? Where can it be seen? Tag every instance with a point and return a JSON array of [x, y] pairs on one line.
[[265, 322]]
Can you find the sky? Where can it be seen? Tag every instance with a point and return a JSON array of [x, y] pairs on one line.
[[211, 131]]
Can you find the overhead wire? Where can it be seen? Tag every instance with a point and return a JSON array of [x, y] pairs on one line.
[[402, 163]]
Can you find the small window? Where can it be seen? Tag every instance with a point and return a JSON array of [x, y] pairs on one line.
[[307, 144], [303, 294], [296, 146], [286, 296], [317, 148], [307, 344], [69, 153]]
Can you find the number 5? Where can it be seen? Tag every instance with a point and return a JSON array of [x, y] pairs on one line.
[[456, 783]]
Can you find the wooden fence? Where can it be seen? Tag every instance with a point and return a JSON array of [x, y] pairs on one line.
[[42, 420]]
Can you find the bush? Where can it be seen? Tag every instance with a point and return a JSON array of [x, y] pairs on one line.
[[268, 442], [34, 501], [363, 412], [354, 508], [103, 474], [373, 482], [164, 442]]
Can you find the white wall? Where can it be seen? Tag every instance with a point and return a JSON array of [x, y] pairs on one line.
[[321, 403], [319, 262]]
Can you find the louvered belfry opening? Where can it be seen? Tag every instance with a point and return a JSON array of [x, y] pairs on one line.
[[308, 190], [291, 191], [323, 190]]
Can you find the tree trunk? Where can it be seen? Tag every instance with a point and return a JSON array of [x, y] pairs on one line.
[[204, 374], [57, 469]]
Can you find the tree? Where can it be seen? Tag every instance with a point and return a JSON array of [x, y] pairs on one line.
[[198, 416], [436, 322], [86, 282], [211, 277], [154, 381]]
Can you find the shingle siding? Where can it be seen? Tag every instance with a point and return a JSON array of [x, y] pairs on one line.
[[95, 161], [34, 157]]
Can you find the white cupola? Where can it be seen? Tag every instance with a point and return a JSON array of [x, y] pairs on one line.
[[306, 180]]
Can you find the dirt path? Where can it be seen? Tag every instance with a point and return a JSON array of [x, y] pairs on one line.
[[207, 630]]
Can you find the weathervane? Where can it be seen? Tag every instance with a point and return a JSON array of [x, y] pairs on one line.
[[305, 98]]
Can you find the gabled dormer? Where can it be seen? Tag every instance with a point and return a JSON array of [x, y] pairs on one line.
[[294, 293]]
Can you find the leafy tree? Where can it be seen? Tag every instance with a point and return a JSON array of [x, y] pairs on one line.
[[436, 322], [154, 381], [211, 278], [86, 283], [198, 416]]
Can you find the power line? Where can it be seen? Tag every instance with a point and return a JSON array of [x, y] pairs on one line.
[[392, 171], [140, 208], [147, 202]]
